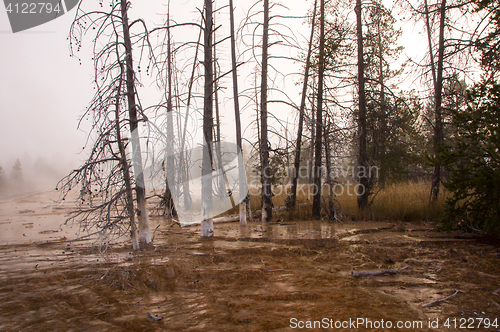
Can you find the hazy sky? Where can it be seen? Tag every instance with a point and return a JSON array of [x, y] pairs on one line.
[[43, 91]]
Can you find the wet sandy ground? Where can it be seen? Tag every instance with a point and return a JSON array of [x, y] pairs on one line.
[[257, 278]]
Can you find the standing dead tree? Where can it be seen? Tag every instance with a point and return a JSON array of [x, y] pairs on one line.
[[165, 60], [111, 181], [207, 227], [437, 75], [452, 28], [362, 155], [263, 34], [267, 205], [298, 144], [316, 208], [175, 155], [243, 220], [217, 184]]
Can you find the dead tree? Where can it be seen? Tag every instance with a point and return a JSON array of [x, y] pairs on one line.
[[298, 143], [111, 176], [437, 75], [167, 199], [222, 187], [316, 208], [237, 120], [267, 205], [140, 187], [329, 205], [450, 50], [183, 160], [207, 227], [362, 155]]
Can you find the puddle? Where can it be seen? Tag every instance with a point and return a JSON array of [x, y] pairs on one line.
[[395, 237], [319, 229]]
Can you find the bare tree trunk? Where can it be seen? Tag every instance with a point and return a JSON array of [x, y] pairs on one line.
[[316, 208], [258, 124], [438, 97], [217, 148], [223, 187], [144, 233], [167, 197], [264, 144], [126, 171], [329, 171], [383, 105], [311, 153], [207, 226], [292, 202], [183, 155], [241, 167], [429, 39], [362, 157]]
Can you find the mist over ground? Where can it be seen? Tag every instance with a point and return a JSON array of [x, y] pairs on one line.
[[36, 174]]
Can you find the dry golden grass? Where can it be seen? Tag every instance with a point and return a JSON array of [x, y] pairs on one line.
[[406, 201]]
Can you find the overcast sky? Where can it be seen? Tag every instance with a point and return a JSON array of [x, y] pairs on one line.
[[43, 91]]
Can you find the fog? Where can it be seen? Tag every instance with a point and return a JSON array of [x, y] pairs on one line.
[[42, 92]]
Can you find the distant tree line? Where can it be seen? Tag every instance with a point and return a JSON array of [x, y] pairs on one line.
[[15, 177]]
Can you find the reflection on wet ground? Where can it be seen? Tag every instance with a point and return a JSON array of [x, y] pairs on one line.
[[255, 278]]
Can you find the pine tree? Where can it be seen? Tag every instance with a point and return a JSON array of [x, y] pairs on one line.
[[473, 162], [17, 172], [3, 179]]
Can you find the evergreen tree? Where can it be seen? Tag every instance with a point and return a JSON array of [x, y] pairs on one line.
[[3, 179], [473, 162], [17, 172], [390, 117], [489, 42]]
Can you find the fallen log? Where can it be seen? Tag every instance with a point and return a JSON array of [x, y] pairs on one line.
[[227, 219], [430, 304], [215, 221], [376, 273]]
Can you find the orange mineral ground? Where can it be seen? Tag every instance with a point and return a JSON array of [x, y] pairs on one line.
[[264, 277]]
